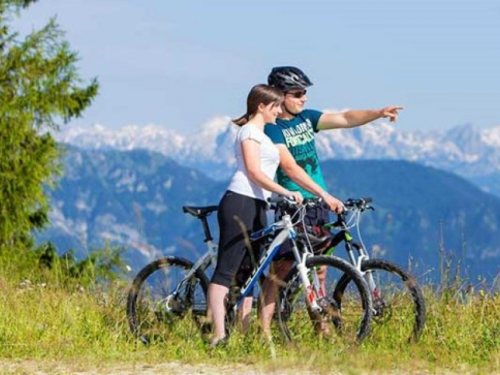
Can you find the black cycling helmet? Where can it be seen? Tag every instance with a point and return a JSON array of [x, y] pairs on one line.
[[287, 78]]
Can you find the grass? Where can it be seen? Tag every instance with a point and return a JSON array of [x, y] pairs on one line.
[[47, 316]]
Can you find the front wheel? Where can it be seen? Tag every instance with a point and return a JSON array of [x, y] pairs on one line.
[[342, 325], [398, 302], [166, 295]]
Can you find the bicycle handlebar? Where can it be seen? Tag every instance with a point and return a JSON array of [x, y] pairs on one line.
[[359, 203], [282, 199], [352, 204], [283, 202], [289, 202]]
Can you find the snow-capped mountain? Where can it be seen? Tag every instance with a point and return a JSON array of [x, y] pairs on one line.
[[210, 148], [465, 150]]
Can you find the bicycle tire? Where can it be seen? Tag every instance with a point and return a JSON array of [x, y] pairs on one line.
[[348, 326], [153, 311], [396, 288]]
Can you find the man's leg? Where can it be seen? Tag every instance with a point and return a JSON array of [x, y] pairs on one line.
[[320, 322], [270, 287], [244, 314]]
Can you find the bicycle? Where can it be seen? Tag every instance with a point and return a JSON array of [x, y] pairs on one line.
[[320, 305], [170, 288], [398, 302]]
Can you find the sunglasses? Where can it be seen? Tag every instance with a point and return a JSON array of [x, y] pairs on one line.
[[298, 94]]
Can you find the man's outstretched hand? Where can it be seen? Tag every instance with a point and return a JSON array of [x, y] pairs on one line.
[[391, 112]]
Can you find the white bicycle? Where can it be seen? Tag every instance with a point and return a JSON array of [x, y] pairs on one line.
[[171, 289]]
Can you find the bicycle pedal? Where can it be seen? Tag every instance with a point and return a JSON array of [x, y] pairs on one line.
[[329, 306]]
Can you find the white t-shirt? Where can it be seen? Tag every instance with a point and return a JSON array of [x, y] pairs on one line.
[[269, 161]]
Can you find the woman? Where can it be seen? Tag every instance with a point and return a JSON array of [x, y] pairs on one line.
[[244, 203]]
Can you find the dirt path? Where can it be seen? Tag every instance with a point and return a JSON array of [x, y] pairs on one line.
[[173, 368], [14, 367]]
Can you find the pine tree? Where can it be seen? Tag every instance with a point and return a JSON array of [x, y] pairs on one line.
[[40, 90]]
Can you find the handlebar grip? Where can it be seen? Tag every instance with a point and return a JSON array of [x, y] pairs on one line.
[[281, 199], [358, 202]]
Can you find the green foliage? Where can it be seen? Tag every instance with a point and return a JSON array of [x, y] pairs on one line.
[[40, 88], [101, 266], [99, 269]]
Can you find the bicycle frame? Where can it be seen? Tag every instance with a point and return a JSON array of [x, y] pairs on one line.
[[286, 232], [207, 259]]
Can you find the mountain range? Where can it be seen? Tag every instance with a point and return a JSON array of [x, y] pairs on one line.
[[133, 199], [464, 150]]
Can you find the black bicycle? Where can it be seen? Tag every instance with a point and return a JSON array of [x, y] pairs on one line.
[[398, 302]]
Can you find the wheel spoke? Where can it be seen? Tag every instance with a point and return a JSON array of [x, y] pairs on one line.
[[163, 301]]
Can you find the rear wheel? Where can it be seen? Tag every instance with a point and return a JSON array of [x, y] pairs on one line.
[[163, 299], [342, 325], [398, 302]]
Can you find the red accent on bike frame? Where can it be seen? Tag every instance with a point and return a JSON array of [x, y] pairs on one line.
[[310, 295], [321, 293]]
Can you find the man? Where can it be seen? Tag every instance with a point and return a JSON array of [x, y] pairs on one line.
[[296, 127], [294, 135]]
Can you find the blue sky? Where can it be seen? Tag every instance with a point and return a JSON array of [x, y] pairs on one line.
[[178, 63]]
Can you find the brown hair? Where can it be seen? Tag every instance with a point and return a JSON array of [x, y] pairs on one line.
[[260, 93]]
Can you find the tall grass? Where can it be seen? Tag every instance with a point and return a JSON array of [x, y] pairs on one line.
[[46, 314]]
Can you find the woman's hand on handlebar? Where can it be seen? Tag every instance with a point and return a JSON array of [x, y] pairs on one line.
[[297, 196]]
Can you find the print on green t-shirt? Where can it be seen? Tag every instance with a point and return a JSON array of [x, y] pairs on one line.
[[298, 135]]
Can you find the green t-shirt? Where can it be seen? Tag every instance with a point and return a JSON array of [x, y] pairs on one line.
[[298, 136]]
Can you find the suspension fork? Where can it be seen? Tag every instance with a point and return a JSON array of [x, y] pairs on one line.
[[310, 280], [312, 289], [357, 261]]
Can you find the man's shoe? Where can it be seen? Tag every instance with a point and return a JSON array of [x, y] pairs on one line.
[[219, 343]]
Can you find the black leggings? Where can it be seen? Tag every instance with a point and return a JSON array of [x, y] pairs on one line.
[[238, 214]]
